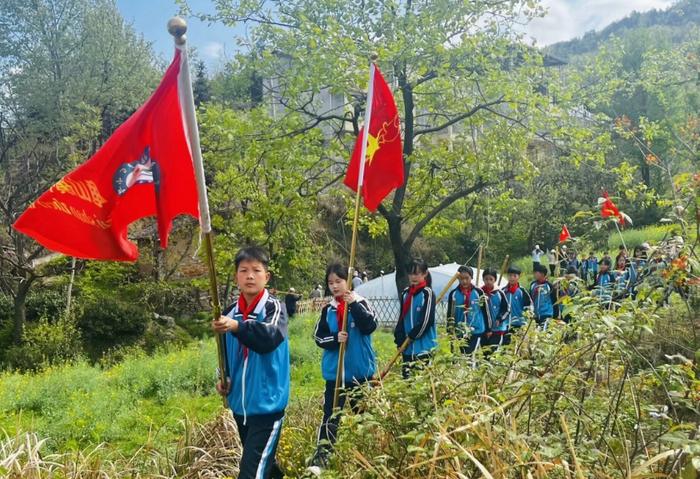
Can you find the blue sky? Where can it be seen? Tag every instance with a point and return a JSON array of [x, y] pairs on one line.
[[215, 43]]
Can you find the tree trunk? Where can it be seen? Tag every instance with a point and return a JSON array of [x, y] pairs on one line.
[[158, 259], [70, 287], [401, 255], [20, 313]]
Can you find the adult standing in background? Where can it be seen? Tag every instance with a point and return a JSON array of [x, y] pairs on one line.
[[356, 280], [552, 261], [536, 255], [290, 302]]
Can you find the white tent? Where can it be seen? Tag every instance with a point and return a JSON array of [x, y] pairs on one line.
[[385, 286], [382, 294]]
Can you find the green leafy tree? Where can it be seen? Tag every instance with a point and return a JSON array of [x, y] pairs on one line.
[[260, 192], [471, 96], [72, 71]]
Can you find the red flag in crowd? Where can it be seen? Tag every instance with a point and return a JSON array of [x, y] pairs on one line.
[[608, 209], [564, 235]]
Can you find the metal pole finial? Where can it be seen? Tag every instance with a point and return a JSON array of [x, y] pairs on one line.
[[177, 27]]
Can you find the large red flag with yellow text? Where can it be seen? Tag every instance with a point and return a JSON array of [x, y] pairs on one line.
[[144, 169], [383, 168]]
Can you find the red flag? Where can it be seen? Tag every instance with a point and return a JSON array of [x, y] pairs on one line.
[[383, 169], [608, 208], [144, 169], [564, 235]]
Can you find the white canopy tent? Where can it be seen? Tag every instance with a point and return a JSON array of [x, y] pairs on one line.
[[385, 286], [382, 294]]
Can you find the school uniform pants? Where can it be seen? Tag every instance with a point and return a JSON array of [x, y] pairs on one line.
[[414, 362], [543, 322], [259, 435], [475, 342], [329, 425], [497, 340]]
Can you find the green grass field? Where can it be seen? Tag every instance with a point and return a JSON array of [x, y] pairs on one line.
[[145, 399]]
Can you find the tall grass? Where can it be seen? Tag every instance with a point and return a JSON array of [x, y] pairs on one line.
[[144, 399], [554, 404], [138, 401]]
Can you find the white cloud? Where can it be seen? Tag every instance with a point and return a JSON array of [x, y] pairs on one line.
[[213, 50], [567, 19]]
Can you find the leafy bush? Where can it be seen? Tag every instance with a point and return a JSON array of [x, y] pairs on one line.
[[45, 344], [111, 318], [109, 323], [45, 303], [162, 297], [104, 278], [572, 401]]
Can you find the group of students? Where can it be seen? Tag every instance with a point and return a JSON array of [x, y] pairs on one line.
[[257, 345]]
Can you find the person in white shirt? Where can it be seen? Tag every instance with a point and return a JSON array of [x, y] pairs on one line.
[[536, 255]]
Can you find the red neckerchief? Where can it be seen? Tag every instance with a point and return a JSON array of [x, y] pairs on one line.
[[245, 310], [514, 288], [488, 291], [409, 297], [467, 292], [340, 312]]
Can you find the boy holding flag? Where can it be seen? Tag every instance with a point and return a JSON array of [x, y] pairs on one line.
[[257, 363]]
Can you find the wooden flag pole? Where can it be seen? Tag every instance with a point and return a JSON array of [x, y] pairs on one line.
[[503, 269], [406, 343], [340, 371], [177, 27], [478, 265]]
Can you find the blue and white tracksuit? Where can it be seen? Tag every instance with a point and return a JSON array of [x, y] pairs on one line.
[[518, 302], [358, 367], [418, 324], [543, 300], [257, 361]]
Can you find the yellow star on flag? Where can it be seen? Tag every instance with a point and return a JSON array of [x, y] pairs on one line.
[[372, 147]]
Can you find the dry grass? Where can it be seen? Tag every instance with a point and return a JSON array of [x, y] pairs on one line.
[[210, 450]]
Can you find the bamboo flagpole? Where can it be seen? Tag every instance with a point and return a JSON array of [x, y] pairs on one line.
[[504, 266], [340, 372], [407, 342], [177, 27], [478, 265]]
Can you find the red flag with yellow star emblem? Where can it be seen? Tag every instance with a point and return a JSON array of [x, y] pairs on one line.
[[382, 170]]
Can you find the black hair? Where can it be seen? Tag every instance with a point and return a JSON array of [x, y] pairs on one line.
[[514, 270], [252, 253], [489, 272], [418, 265], [605, 261], [540, 268], [337, 269], [466, 269]]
